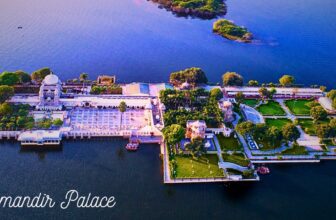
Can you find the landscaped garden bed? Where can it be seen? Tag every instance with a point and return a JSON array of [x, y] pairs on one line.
[[295, 150], [229, 143], [309, 126], [204, 167], [250, 102], [279, 123], [237, 158], [271, 108], [300, 106]]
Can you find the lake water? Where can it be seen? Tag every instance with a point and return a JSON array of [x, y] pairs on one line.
[[139, 42], [103, 167]]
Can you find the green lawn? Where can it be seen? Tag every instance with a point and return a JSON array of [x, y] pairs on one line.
[[271, 108], [202, 169], [237, 158], [308, 125], [250, 102], [299, 106], [264, 145], [298, 150], [228, 143], [279, 123]]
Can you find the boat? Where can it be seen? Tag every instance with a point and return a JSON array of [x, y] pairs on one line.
[[263, 170], [132, 146]]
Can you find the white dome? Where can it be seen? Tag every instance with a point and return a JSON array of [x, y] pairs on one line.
[[51, 79]]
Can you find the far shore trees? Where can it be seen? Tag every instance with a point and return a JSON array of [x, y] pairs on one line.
[[23, 76], [231, 31], [253, 83], [192, 75], [40, 74], [232, 79], [5, 93], [286, 80]]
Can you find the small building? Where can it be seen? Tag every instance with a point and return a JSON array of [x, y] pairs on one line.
[[196, 129], [50, 93], [40, 137], [106, 80]]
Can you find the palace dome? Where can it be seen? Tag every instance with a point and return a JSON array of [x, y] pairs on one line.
[[51, 79]]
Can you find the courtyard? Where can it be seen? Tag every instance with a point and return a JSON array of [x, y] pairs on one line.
[[102, 120]]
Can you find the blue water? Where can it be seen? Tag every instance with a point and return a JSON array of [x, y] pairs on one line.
[[139, 42]]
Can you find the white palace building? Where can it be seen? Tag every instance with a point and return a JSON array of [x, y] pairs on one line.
[[92, 115]]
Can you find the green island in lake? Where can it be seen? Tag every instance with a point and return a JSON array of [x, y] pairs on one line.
[[231, 31], [199, 8]]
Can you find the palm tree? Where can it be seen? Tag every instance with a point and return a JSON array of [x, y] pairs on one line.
[[122, 109], [83, 77]]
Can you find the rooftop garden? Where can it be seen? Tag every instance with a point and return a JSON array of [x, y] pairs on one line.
[[300, 106], [272, 108], [204, 167], [231, 31], [229, 143], [199, 8], [279, 122], [236, 158]]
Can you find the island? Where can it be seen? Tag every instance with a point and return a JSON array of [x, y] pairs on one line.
[[206, 132], [231, 31], [206, 9]]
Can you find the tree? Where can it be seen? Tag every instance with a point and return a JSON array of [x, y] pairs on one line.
[[286, 80], [57, 122], [318, 113], [196, 147], [239, 97], [271, 93], [264, 93], [191, 75], [323, 88], [23, 76], [324, 131], [245, 127], [83, 77], [216, 93], [40, 74], [253, 83], [290, 132], [6, 92], [8, 78], [332, 94], [173, 134], [232, 79], [334, 104], [274, 134], [122, 106], [332, 123], [5, 109]]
